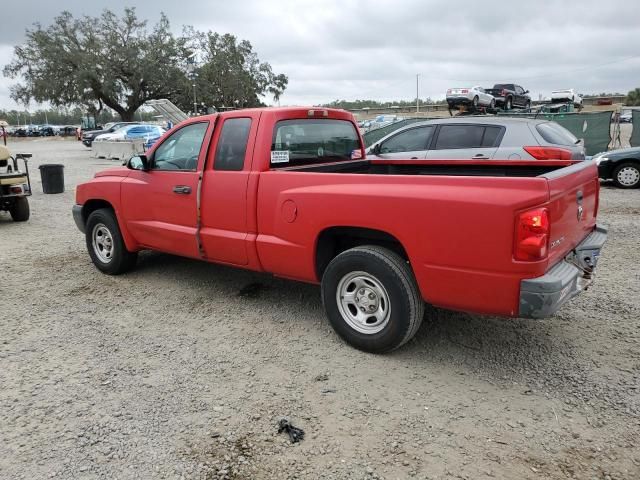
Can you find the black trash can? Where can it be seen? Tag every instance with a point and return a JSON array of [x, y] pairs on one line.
[[52, 176]]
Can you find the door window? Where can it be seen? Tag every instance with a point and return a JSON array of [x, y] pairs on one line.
[[232, 144], [412, 140], [181, 150], [519, 90]]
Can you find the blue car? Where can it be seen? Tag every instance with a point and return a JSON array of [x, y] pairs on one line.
[[131, 132]]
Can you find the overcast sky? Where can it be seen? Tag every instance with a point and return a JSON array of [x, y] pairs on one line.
[[373, 49]]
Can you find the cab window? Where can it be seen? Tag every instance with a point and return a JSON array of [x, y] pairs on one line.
[[232, 144]]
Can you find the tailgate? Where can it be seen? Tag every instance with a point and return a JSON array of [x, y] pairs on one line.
[[573, 203]]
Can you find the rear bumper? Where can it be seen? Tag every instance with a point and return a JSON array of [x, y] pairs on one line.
[[76, 210], [459, 100], [543, 296]]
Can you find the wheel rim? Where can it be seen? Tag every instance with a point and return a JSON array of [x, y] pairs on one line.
[[102, 242], [475, 101], [628, 176], [363, 302]]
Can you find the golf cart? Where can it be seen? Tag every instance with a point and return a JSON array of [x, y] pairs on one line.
[[15, 184]]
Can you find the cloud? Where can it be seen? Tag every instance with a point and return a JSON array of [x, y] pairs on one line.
[[335, 49]]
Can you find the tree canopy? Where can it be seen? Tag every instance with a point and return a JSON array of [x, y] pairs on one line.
[[119, 62], [633, 98]]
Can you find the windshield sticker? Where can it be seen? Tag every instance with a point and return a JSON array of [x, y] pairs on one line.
[[280, 156]]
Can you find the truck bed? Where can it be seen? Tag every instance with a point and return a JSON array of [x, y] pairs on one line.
[[482, 168]]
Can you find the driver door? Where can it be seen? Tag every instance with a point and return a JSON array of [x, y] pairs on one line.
[[159, 205]]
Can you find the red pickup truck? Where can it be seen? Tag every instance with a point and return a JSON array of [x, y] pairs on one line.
[[289, 191]]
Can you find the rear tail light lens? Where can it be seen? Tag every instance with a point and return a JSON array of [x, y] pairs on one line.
[[549, 153], [532, 235], [16, 189]]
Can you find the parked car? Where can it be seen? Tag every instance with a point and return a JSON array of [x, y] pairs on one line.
[[510, 95], [89, 136], [380, 121], [475, 96], [480, 137], [626, 116], [568, 95], [288, 191], [622, 166], [131, 132]]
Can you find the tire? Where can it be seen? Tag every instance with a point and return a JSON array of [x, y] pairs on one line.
[[508, 103], [527, 105], [20, 211], [476, 100], [109, 255], [492, 105], [627, 175], [388, 288]]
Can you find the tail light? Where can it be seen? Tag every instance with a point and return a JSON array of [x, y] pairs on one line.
[[464, 90], [549, 153], [449, 91], [16, 189], [532, 235]]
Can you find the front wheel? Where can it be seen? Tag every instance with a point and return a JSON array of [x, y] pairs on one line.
[[20, 211], [371, 299], [627, 175], [476, 100], [492, 105], [105, 244]]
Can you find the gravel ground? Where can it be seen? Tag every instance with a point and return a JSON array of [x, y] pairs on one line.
[[178, 370]]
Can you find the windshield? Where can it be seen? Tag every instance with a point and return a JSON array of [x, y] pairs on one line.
[[306, 141]]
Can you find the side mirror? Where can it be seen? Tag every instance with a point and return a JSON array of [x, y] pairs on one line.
[[139, 162], [377, 149], [526, 91]]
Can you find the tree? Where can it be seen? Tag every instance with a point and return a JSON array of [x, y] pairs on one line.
[[228, 73], [93, 62], [633, 98]]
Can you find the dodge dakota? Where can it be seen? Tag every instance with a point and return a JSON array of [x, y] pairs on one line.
[[290, 192]]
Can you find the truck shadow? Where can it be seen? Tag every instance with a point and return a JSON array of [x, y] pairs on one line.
[[539, 354]]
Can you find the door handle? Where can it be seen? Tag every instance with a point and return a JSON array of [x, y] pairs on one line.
[[182, 189], [414, 158], [481, 156]]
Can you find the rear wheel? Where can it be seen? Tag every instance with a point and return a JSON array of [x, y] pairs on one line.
[[105, 244], [371, 299], [492, 105], [627, 175], [527, 105], [475, 101], [20, 211], [508, 104]]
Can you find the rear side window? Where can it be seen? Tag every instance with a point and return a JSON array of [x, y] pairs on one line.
[[307, 141], [491, 136], [232, 144], [459, 136], [412, 140], [556, 134]]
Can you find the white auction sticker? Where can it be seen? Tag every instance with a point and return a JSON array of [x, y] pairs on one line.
[[280, 156]]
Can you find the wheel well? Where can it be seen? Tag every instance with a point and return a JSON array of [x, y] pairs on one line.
[[92, 205], [335, 240], [626, 160]]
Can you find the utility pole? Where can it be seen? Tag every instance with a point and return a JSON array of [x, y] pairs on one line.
[[417, 93], [195, 103]]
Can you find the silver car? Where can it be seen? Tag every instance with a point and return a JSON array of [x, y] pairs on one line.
[[480, 138]]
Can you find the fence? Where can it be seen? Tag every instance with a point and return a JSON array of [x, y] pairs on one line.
[[119, 150]]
